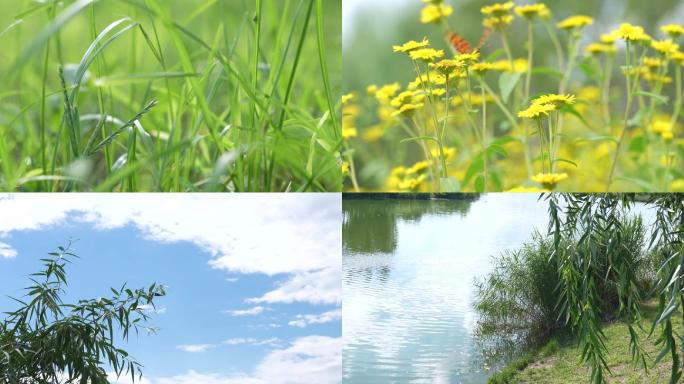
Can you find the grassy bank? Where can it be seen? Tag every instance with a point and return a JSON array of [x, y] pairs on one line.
[[563, 365]]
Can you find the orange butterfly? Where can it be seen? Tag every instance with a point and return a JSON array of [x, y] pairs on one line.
[[461, 45]]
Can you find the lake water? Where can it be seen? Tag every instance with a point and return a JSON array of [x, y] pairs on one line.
[[408, 273]]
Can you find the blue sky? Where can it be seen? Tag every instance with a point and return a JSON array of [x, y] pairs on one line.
[[253, 281]]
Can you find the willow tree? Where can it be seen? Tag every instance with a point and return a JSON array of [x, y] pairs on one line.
[[46, 340], [593, 222]]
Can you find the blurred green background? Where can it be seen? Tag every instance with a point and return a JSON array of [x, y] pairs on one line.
[[372, 27]]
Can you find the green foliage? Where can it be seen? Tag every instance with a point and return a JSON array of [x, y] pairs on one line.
[[520, 302], [594, 222], [505, 375], [47, 341], [152, 95]]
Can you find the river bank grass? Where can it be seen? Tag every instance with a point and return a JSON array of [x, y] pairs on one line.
[[562, 365]]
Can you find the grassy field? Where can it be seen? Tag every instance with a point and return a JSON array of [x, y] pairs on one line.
[[564, 365], [156, 95]]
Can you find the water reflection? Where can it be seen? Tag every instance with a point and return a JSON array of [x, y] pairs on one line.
[[371, 225], [409, 268]]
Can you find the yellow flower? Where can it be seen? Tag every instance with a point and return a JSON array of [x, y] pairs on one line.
[[610, 38], [434, 13], [678, 57], [578, 22], [407, 109], [344, 168], [349, 132], [469, 58], [556, 100], [406, 97], [432, 78], [533, 10], [674, 30], [519, 66], [347, 98], [653, 62], [589, 93], [426, 54], [412, 184], [411, 46], [598, 48], [677, 185], [667, 136], [386, 92], [418, 167], [536, 111], [373, 134], [527, 190], [497, 9], [549, 180], [482, 68], [656, 78], [629, 32], [497, 22], [449, 152], [447, 66], [661, 125], [665, 47]]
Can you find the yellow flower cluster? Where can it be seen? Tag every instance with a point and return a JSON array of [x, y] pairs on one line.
[[631, 33], [435, 11], [408, 179], [543, 105], [498, 15], [426, 54], [549, 180], [665, 47], [575, 22], [411, 46], [674, 30], [533, 10]]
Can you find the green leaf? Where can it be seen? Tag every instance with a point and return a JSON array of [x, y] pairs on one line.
[[507, 83], [638, 144], [547, 71], [480, 184], [497, 149], [566, 161], [449, 184], [571, 110], [660, 98], [641, 183], [419, 138], [476, 166]]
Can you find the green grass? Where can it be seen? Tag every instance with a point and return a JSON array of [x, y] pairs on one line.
[[562, 365], [157, 95]]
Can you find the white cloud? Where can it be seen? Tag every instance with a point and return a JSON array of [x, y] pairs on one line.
[[247, 312], [7, 251], [311, 359], [232, 279], [302, 321], [274, 341], [194, 348], [318, 287], [298, 235], [308, 360]]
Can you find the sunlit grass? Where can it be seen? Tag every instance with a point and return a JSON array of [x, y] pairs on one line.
[[152, 95]]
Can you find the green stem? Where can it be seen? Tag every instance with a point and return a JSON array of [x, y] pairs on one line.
[[605, 94], [484, 132], [630, 101], [540, 130], [556, 44], [530, 58]]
